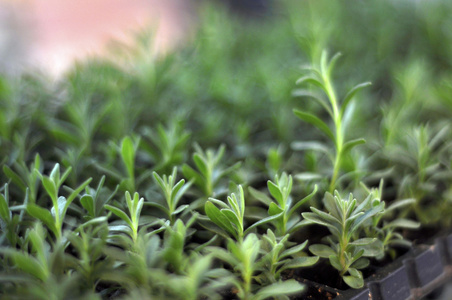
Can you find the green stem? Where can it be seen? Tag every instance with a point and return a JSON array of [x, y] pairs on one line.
[[337, 118]]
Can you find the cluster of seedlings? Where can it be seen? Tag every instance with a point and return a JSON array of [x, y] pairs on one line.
[[213, 173]]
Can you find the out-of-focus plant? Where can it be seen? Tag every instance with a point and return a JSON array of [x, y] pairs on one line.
[[339, 113], [209, 170], [386, 231]]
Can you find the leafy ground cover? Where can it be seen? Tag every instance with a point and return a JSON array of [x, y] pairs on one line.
[[224, 169]]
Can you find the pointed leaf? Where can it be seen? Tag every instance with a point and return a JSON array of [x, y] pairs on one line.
[[287, 287], [350, 144], [351, 94], [119, 213], [263, 221], [218, 218], [128, 155], [43, 215], [311, 119], [321, 250], [300, 262], [14, 177]]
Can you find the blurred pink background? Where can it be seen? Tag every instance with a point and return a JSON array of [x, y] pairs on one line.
[[51, 34]]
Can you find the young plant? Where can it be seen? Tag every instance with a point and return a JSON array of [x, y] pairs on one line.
[[209, 171], [9, 223], [93, 201], [89, 241], [243, 256], [167, 145], [345, 220], [26, 177], [282, 204], [132, 223], [339, 114], [172, 193], [54, 218], [385, 231], [417, 157], [231, 217], [40, 274], [278, 257]]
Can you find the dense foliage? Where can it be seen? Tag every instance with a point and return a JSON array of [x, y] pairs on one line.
[[211, 174]]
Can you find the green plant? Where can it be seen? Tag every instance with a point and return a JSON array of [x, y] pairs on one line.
[[385, 231], [26, 178], [172, 192], [231, 217], [243, 257], [130, 225], [278, 257], [166, 146], [209, 172], [54, 218], [282, 204], [345, 220], [339, 113]]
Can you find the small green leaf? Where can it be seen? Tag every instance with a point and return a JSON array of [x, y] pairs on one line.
[[311, 80], [119, 213], [274, 209], [402, 223], [262, 197], [50, 187], [180, 209], [201, 164], [335, 262], [355, 281], [351, 144], [43, 215], [14, 177], [361, 263], [5, 213], [311, 119], [263, 221], [218, 218], [128, 155], [275, 192], [294, 250], [287, 287], [363, 241], [351, 94], [321, 250], [300, 262], [87, 202]]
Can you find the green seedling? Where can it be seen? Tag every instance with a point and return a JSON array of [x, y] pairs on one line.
[[131, 224], [386, 231], [26, 178], [231, 217], [339, 114], [172, 193], [282, 204], [166, 146], [54, 218], [345, 220], [243, 256], [209, 171], [279, 257]]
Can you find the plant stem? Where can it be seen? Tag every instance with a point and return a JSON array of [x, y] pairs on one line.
[[337, 118]]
